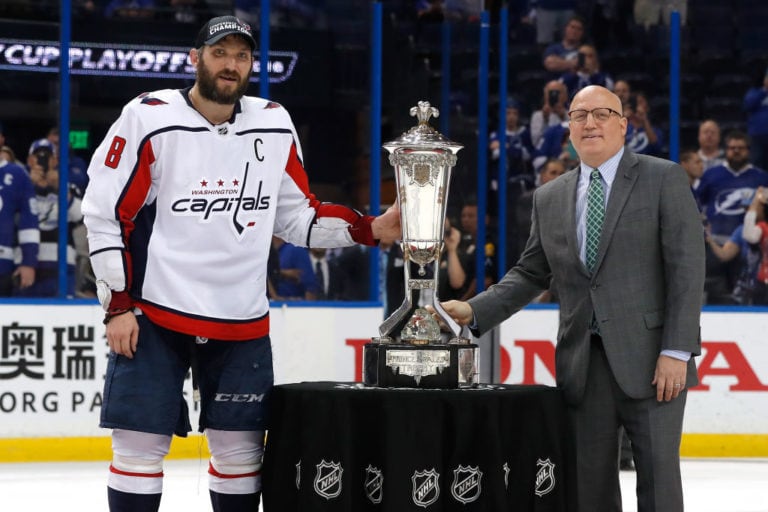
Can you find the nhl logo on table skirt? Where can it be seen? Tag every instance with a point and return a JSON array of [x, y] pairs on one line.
[[425, 487], [328, 479], [466, 483], [545, 477], [374, 484]]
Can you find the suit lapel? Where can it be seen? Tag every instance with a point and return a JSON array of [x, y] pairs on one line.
[[571, 184], [626, 177]]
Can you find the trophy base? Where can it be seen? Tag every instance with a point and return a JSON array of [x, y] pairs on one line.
[[434, 366]]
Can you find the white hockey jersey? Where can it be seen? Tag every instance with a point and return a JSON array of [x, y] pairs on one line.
[[181, 212]]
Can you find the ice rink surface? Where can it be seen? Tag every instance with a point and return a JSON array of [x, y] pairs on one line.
[[710, 485]]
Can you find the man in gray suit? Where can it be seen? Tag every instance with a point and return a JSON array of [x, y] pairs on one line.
[[630, 295]]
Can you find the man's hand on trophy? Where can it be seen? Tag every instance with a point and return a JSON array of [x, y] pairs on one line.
[[386, 227], [460, 311]]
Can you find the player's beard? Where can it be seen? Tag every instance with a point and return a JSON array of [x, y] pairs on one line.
[[206, 85]]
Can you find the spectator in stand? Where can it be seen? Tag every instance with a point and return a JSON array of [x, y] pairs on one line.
[[184, 11], [709, 144], [551, 169], [454, 266], [329, 275], [756, 106], [517, 148], [642, 137], [726, 190], [748, 241], [78, 168], [430, 11], [297, 277], [9, 156], [273, 273], [723, 194], [18, 226], [85, 9], [611, 22], [130, 9], [2, 137], [587, 72], [756, 232], [623, 90], [9, 151], [44, 171], [555, 143], [554, 110], [563, 57], [550, 15], [85, 284], [693, 165], [648, 12], [353, 261], [469, 223]]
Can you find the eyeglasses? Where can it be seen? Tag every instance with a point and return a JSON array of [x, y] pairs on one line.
[[600, 115], [737, 148]]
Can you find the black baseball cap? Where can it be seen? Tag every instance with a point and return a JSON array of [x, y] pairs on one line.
[[222, 26]]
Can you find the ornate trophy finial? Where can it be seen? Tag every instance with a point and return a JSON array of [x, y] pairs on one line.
[[424, 111]]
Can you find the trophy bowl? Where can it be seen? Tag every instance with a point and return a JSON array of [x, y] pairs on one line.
[[411, 350]]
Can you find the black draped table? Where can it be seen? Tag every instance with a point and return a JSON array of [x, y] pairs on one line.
[[344, 447]]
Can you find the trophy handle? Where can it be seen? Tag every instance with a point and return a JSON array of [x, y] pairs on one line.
[[401, 313], [396, 318]]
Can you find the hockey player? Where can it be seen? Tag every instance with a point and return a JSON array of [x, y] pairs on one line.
[[185, 193]]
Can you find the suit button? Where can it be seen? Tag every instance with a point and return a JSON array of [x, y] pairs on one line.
[[595, 286]]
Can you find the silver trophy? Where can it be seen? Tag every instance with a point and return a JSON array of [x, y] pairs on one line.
[[411, 350]]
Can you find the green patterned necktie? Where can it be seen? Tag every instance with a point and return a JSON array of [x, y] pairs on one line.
[[595, 216]]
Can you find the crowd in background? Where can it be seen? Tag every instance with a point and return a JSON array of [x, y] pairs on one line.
[[726, 170]]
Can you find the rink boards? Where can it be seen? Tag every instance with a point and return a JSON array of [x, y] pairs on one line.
[[53, 359]]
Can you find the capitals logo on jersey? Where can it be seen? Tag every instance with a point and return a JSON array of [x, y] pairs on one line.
[[146, 99], [224, 197]]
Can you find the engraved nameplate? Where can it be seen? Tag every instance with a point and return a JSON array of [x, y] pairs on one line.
[[418, 363]]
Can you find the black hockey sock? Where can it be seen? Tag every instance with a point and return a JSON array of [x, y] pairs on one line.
[[234, 502], [128, 502]]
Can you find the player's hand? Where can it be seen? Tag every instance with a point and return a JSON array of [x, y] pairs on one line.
[[386, 227], [669, 377], [123, 334]]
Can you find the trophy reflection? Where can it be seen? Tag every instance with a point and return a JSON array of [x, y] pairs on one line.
[[411, 350]]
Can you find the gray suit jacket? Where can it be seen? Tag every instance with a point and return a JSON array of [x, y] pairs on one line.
[[647, 288]]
